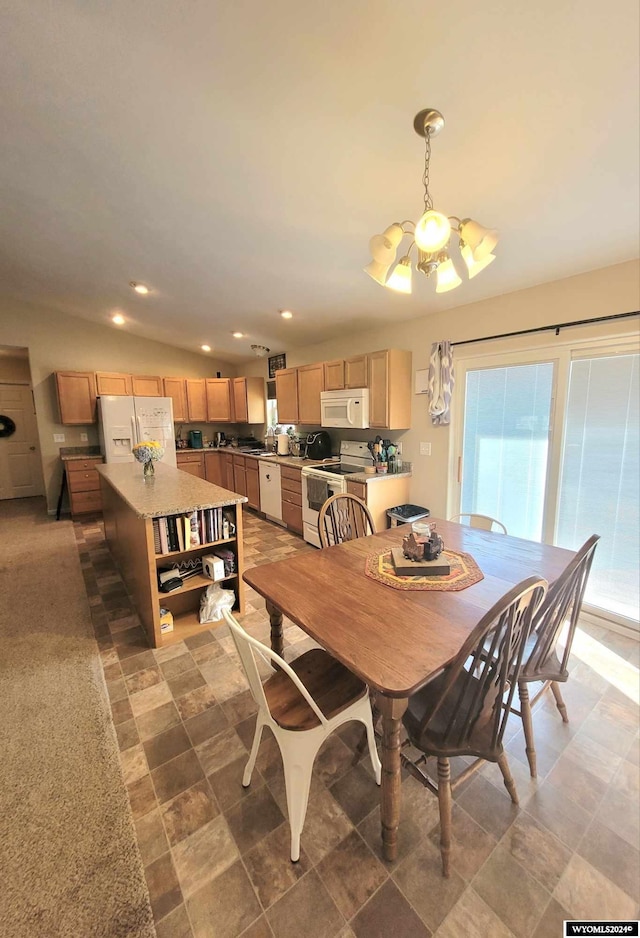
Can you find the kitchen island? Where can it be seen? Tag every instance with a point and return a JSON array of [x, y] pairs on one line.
[[134, 510]]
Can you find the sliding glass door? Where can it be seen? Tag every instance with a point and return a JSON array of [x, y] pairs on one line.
[[547, 443]]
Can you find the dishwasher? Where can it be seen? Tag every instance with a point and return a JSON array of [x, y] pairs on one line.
[[270, 491]]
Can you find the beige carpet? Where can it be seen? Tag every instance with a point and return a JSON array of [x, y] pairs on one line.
[[69, 861]]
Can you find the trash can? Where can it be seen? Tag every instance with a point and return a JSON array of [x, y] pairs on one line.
[[404, 514]]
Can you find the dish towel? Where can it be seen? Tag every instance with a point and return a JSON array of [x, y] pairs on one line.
[[440, 382], [317, 493]]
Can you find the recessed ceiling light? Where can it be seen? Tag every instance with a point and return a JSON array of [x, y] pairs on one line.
[[118, 319], [205, 348], [286, 314], [139, 287], [238, 335]]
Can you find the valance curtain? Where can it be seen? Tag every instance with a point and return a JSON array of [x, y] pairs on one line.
[[440, 382]]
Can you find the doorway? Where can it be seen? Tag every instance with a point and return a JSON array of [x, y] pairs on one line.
[[20, 463]]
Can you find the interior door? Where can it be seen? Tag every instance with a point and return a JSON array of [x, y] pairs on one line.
[[20, 467]]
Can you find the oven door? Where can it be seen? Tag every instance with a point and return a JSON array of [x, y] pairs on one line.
[[311, 504]]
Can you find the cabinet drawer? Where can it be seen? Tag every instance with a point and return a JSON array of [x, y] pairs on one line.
[[292, 516], [291, 498], [76, 465], [84, 481], [85, 501], [287, 472], [289, 485], [189, 457]]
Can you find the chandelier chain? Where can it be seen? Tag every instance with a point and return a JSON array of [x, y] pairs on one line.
[[428, 201]]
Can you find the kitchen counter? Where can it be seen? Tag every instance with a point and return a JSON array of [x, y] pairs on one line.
[[171, 492], [67, 453], [378, 476]]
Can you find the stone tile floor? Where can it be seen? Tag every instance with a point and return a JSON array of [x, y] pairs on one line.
[[217, 856]]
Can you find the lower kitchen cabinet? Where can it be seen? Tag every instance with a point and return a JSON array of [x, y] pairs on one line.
[[193, 463], [239, 475], [213, 468], [291, 483], [381, 494], [83, 484], [252, 476]]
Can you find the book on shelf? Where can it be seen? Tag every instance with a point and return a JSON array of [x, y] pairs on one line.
[[174, 533]]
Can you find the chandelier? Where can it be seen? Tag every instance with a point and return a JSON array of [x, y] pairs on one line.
[[430, 235], [260, 350]]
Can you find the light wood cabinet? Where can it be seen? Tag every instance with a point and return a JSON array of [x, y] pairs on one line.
[[239, 475], [227, 471], [381, 494], [390, 389], [219, 400], [147, 386], [176, 390], [213, 468], [111, 382], [193, 463], [196, 391], [310, 384], [334, 375], [291, 488], [287, 395], [252, 476], [83, 484], [356, 372], [76, 397], [249, 400]]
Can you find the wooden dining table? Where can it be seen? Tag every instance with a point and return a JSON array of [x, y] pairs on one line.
[[396, 640]]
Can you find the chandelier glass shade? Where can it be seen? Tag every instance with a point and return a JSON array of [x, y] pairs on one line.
[[430, 235]]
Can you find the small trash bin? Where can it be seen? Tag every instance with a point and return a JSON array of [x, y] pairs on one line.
[[404, 514]]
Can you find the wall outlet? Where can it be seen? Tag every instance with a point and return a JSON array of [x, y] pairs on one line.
[[425, 449], [84, 438], [399, 448], [58, 437]]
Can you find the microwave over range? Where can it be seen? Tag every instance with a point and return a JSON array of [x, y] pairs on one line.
[[347, 409]]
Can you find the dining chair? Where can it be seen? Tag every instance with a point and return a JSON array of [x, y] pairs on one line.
[[543, 661], [302, 704], [480, 521], [344, 517], [462, 712]]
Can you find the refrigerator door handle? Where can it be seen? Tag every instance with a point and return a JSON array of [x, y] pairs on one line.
[[133, 431], [139, 430]]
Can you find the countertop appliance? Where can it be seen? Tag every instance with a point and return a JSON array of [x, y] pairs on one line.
[[318, 445], [125, 421], [348, 409], [283, 444], [320, 482], [195, 439]]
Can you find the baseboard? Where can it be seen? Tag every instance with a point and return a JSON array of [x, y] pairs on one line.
[[610, 624]]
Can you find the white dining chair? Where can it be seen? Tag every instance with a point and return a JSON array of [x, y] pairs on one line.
[[480, 521], [302, 704]]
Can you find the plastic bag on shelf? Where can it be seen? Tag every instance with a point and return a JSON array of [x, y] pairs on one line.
[[213, 601]]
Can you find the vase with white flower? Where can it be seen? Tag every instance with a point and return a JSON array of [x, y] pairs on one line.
[[147, 453]]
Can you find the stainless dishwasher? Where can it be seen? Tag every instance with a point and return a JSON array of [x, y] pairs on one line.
[[270, 491]]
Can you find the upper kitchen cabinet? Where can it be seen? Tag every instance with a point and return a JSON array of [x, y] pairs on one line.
[[287, 395], [390, 389], [196, 391], [334, 375], [219, 400], [109, 382], [356, 372], [249, 400], [175, 389], [76, 397], [310, 384], [147, 386]]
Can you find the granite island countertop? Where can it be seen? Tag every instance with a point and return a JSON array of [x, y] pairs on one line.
[[68, 453], [171, 491]]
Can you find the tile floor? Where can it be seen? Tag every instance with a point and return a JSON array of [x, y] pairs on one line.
[[216, 855]]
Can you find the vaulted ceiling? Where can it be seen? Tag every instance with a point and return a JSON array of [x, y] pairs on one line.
[[237, 157]]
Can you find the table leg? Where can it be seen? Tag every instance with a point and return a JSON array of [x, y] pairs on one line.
[[277, 636], [392, 709]]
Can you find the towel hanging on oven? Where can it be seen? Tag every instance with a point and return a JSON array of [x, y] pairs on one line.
[[317, 493]]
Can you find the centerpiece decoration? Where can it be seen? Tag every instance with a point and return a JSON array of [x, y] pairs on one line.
[[147, 453]]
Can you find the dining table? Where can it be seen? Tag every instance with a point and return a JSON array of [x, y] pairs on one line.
[[396, 637]]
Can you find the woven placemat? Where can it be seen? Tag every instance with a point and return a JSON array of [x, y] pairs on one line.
[[464, 572]]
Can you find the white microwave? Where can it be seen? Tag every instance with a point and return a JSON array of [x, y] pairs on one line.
[[347, 409]]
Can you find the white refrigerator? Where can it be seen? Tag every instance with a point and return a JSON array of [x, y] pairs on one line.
[[125, 421]]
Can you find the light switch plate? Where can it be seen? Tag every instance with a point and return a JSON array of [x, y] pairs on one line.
[[58, 437], [83, 438], [425, 449]]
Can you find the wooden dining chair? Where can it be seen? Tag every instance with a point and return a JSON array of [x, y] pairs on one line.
[[480, 521], [463, 711], [344, 517], [542, 659], [302, 704]]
